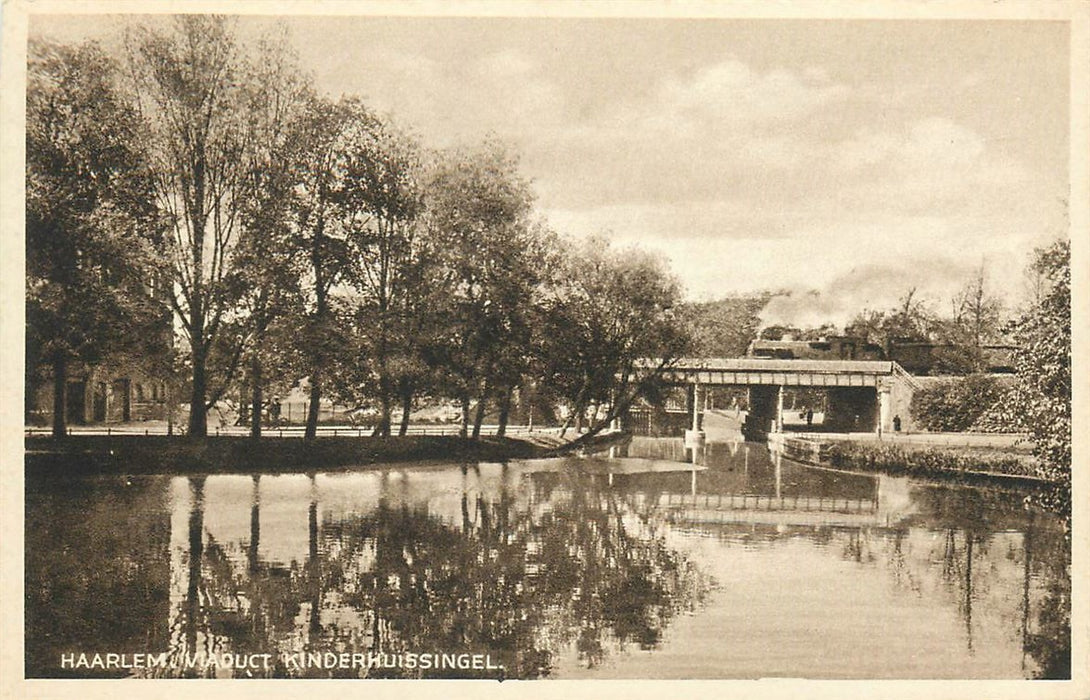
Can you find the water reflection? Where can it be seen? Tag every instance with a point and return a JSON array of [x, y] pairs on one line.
[[642, 565]]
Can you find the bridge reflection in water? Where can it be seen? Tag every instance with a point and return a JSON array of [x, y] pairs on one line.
[[565, 568], [749, 486]]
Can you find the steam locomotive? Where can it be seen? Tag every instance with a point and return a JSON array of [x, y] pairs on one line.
[[916, 357]]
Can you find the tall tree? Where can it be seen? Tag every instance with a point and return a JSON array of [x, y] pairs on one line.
[[189, 81], [382, 178], [976, 320], [92, 227], [725, 328], [611, 329], [870, 325], [911, 320], [478, 224], [1043, 360], [267, 271], [327, 211]]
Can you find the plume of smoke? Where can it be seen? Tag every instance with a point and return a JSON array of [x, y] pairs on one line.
[[877, 287]]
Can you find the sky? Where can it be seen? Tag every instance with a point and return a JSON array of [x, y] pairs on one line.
[[842, 162]]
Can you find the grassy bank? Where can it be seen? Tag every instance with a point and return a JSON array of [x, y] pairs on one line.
[[157, 454], [931, 462], [989, 468]]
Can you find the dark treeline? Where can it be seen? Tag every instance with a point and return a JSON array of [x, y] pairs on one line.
[[194, 204]]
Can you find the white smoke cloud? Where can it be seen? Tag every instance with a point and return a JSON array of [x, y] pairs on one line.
[[875, 287]]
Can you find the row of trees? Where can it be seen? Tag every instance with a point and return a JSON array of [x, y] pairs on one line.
[[977, 316], [291, 235]]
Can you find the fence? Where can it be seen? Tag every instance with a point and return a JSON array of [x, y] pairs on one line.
[[288, 431]]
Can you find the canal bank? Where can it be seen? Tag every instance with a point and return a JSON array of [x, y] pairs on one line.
[[942, 457], [162, 454]]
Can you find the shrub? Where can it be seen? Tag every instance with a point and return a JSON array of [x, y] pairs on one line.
[[953, 405]]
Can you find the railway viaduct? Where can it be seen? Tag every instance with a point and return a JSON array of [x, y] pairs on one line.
[[863, 395]]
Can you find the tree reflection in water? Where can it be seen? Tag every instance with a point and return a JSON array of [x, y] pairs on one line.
[[535, 568], [521, 580], [1047, 640], [94, 573], [967, 524], [224, 610]]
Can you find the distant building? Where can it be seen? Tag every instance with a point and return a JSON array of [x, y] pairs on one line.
[[105, 394], [923, 358], [119, 390]]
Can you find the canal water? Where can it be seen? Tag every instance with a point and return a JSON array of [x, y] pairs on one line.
[[743, 565]]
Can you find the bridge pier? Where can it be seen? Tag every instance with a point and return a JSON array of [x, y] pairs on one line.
[[777, 422], [697, 399], [885, 421], [694, 438]]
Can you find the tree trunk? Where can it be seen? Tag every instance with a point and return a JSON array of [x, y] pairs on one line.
[[478, 417], [256, 399], [311, 430], [505, 411], [320, 317], [199, 342], [620, 407], [577, 410], [406, 406], [60, 396], [170, 406], [382, 429], [567, 423], [198, 411], [464, 432]]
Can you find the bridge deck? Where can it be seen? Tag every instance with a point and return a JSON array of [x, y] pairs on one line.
[[758, 371], [758, 364]]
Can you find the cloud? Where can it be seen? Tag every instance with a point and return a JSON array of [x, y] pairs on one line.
[[932, 148], [697, 219], [731, 93], [721, 106], [505, 65], [748, 178], [455, 101]]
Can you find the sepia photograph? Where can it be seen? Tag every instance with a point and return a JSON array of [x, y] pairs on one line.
[[499, 342]]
